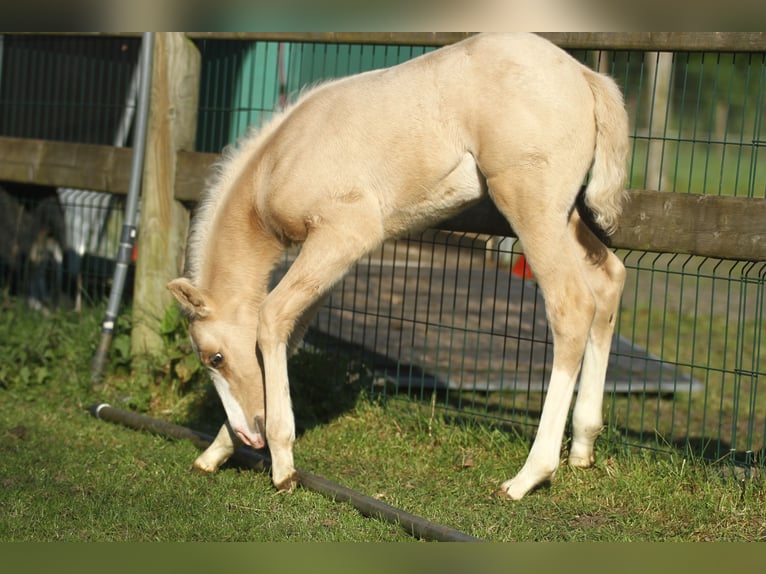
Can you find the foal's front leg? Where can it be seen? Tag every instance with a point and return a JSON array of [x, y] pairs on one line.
[[280, 422], [325, 257]]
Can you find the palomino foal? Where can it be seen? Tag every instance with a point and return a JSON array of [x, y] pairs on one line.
[[357, 160]]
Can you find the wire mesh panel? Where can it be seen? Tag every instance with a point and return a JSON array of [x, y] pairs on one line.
[[57, 246], [69, 88], [706, 316], [698, 128], [698, 122], [31, 236], [243, 82]]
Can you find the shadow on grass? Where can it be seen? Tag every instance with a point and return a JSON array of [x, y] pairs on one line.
[[322, 388], [327, 384]]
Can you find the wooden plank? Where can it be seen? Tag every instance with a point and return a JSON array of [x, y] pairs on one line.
[[193, 170], [661, 41], [389, 38], [64, 164], [725, 227], [707, 225], [642, 41]]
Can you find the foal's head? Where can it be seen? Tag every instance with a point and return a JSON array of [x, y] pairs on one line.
[[224, 339]]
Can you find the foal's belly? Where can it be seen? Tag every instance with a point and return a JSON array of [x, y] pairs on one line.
[[460, 188]]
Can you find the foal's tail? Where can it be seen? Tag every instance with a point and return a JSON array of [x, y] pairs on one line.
[[606, 188]]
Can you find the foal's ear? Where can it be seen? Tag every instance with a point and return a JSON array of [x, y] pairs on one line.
[[192, 300]]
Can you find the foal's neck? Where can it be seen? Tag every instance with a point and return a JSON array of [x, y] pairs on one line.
[[239, 257]]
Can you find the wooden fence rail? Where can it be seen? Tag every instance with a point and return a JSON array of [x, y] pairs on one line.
[[705, 225], [641, 41]]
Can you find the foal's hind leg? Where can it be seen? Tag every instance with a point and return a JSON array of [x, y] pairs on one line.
[[324, 258], [605, 274], [541, 224]]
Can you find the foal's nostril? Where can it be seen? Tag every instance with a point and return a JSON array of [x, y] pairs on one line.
[[254, 440]]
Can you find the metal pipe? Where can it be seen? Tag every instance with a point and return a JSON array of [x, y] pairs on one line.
[[128, 235], [368, 506]]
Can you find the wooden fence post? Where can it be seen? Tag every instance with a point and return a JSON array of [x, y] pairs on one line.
[[164, 221], [659, 83]]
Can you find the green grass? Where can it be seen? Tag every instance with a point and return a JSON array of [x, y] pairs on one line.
[[730, 166], [729, 409], [66, 476]]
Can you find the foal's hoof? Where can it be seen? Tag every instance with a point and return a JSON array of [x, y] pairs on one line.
[[202, 468], [287, 484], [581, 454], [511, 491], [581, 457], [524, 483], [581, 461]]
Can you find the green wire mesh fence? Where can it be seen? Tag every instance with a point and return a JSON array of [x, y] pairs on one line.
[[57, 245]]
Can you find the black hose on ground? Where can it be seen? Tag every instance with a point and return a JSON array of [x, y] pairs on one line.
[[368, 506]]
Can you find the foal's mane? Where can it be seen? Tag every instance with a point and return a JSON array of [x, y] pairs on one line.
[[226, 171], [233, 163]]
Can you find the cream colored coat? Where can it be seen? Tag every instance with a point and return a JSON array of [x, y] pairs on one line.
[[360, 159]]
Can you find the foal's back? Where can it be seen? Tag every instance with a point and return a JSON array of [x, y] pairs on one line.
[[416, 142]]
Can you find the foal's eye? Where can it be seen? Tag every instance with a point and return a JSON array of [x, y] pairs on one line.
[[216, 360]]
